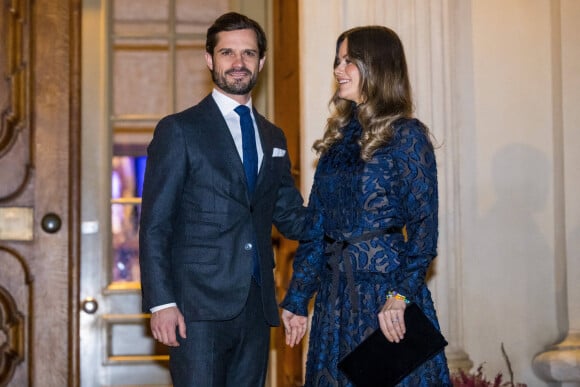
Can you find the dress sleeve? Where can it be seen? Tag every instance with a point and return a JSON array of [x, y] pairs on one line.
[[308, 262], [420, 197]]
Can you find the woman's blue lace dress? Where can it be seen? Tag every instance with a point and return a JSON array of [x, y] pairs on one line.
[[354, 201]]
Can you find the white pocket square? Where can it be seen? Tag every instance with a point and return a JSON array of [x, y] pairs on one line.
[[277, 152]]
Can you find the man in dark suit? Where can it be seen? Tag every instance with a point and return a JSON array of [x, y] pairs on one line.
[[207, 212]]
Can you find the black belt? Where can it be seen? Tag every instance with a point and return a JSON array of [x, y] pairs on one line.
[[336, 248]]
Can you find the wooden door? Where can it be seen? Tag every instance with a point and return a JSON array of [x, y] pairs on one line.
[[285, 49], [39, 181], [141, 61]]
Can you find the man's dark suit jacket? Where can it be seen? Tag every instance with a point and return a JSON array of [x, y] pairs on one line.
[[198, 223]]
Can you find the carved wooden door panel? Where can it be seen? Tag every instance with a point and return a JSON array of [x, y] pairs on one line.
[[39, 167]]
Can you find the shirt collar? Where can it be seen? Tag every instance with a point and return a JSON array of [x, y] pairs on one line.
[[227, 104]]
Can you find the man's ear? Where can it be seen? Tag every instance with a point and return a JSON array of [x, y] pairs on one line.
[[261, 64], [209, 60]]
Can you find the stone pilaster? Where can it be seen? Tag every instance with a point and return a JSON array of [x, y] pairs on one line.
[[561, 361]]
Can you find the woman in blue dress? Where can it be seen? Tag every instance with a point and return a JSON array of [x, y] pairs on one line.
[[375, 230]]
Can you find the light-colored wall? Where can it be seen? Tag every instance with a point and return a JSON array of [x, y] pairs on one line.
[[498, 81], [508, 207]]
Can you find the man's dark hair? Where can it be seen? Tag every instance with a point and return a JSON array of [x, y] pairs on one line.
[[232, 21]]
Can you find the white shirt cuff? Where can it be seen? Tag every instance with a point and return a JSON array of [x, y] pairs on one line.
[[160, 307]]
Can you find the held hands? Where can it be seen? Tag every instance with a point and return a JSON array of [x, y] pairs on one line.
[[392, 321], [294, 327], [163, 324]]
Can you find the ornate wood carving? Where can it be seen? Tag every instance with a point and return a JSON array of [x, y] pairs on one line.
[[12, 336], [15, 292], [14, 97]]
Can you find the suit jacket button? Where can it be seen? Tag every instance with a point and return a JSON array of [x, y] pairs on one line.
[[248, 246], [251, 209]]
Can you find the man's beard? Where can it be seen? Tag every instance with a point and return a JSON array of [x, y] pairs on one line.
[[235, 86]]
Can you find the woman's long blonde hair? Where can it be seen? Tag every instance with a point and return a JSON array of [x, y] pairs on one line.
[[378, 54]]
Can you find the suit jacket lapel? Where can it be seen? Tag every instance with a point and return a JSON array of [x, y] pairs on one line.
[[266, 140], [222, 140]]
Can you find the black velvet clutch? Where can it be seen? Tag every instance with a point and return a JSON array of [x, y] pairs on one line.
[[376, 362]]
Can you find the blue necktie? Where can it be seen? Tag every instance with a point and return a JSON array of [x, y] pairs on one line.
[[250, 154], [250, 159]]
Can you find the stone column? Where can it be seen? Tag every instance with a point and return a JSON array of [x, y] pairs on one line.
[[561, 361]]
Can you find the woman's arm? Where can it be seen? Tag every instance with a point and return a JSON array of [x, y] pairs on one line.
[[420, 195]]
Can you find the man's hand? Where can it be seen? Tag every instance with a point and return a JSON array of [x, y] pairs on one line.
[[164, 323], [294, 327]]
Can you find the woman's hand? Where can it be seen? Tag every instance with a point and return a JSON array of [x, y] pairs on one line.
[[294, 327], [392, 321]]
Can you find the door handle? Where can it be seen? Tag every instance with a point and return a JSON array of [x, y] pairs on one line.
[[89, 305], [51, 223]]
